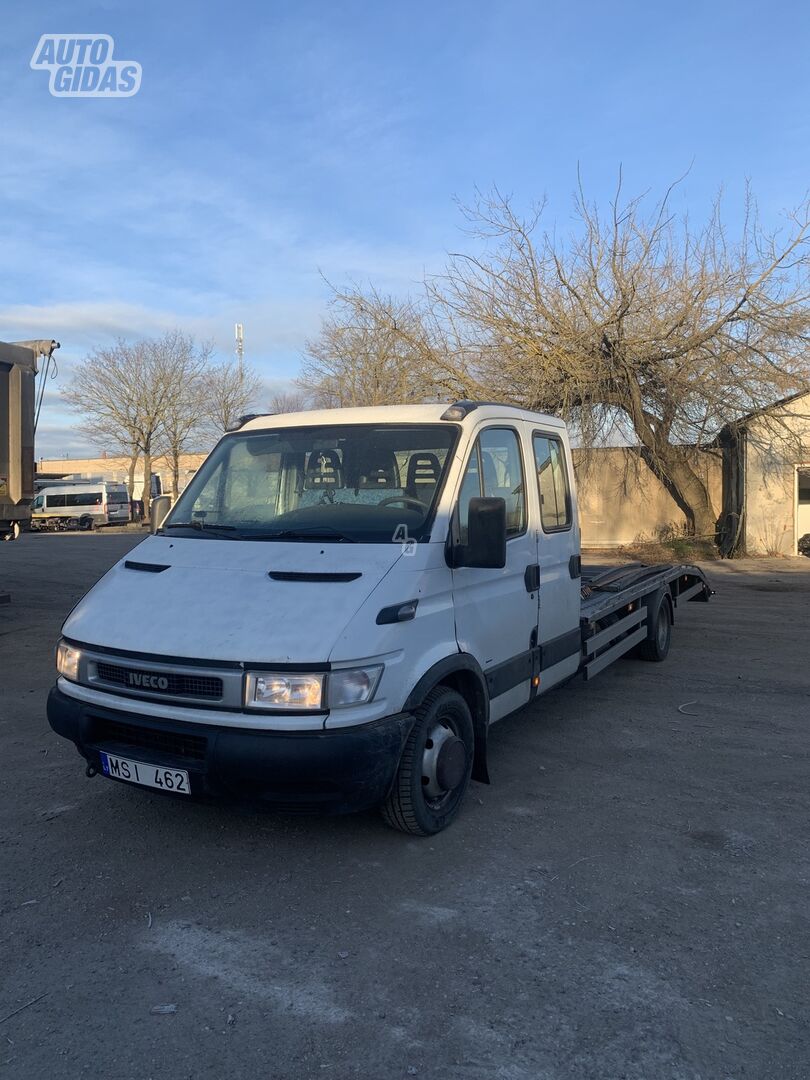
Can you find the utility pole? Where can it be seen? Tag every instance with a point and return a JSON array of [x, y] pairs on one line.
[[240, 351]]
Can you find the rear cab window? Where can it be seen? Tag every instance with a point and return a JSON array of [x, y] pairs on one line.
[[552, 482]]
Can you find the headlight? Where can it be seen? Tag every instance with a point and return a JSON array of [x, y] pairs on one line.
[[278, 690], [352, 686], [314, 692], [67, 661]]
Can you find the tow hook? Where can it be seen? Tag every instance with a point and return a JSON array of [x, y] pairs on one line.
[[91, 771]]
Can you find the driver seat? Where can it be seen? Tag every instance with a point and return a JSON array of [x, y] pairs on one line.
[[424, 471]]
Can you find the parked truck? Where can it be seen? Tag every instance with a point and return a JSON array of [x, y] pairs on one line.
[[18, 368], [342, 603]]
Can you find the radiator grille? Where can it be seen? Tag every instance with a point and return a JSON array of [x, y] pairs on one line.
[[207, 687], [114, 733]]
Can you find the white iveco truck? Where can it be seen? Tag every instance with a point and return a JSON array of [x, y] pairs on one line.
[[340, 605]]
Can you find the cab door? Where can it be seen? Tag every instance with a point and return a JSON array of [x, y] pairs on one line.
[[558, 560], [496, 615]]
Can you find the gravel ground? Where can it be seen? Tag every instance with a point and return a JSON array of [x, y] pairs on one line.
[[627, 900]]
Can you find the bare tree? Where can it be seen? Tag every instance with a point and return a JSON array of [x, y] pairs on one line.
[[289, 401], [372, 350], [184, 365], [635, 323], [116, 392], [140, 397], [637, 319], [229, 392]]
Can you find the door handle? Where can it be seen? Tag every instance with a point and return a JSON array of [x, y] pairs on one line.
[[532, 577]]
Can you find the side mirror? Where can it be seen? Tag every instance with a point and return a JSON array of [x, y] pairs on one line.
[[158, 510], [486, 535]]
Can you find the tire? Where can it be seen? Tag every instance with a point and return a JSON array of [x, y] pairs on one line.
[[435, 767], [656, 647], [86, 524]]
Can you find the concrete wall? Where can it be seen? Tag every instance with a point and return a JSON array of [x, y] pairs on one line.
[[620, 500], [772, 454]]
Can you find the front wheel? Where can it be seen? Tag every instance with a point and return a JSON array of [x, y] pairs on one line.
[[434, 770]]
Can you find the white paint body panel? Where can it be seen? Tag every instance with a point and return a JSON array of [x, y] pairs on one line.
[[216, 602]]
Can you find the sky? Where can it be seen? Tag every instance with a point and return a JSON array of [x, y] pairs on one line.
[[273, 147]]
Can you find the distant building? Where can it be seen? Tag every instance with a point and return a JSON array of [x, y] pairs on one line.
[[766, 479], [117, 469]]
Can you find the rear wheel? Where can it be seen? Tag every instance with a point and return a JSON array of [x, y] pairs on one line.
[[656, 647], [86, 523], [434, 770]]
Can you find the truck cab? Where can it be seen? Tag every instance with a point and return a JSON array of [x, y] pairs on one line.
[[335, 611]]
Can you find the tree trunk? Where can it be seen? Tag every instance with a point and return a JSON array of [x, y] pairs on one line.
[[147, 482], [672, 467], [133, 464], [175, 473]]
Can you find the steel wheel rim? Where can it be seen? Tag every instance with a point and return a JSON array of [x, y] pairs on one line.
[[441, 733]]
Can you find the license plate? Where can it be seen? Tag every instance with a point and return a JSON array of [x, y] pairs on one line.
[[138, 772]]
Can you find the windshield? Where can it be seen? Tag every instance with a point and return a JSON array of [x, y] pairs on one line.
[[360, 483]]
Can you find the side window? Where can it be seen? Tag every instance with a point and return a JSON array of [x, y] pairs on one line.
[[83, 498], [37, 503], [470, 489], [552, 480], [495, 470]]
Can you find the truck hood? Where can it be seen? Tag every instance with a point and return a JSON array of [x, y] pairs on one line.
[[216, 599]]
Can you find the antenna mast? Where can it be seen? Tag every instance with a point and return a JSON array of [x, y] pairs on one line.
[[240, 350]]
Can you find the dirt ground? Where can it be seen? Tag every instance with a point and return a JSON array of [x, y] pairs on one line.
[[628, 899]]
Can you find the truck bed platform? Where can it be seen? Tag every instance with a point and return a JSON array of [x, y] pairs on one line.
[[613, 616]]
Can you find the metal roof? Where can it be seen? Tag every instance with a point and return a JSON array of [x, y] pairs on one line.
[[473, 412]]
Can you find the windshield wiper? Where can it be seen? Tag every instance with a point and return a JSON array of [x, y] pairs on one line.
[[315, 532], [200, 526]]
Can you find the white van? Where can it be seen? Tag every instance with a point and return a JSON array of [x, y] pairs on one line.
[[80, 506], [341, 604]]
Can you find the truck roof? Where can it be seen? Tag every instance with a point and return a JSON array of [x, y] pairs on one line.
[[456, 412]]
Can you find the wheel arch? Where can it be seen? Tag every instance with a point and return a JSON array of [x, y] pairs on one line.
[[462, 673]]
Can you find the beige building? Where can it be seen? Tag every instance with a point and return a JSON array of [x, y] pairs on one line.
[[766, 478], [109, 467]]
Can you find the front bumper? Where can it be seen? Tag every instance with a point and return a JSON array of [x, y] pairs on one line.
[[334, 771]]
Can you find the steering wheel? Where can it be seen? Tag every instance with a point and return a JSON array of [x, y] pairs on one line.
[[403, 499]]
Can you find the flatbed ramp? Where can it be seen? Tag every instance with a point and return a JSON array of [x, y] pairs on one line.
[[617, 604]]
